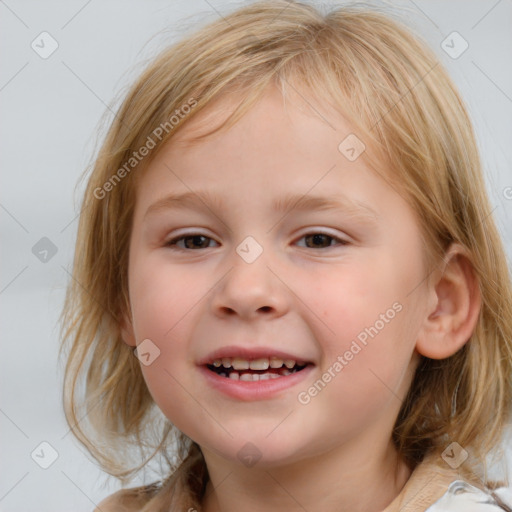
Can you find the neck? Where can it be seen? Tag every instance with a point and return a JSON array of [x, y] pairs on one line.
[[357, 480]]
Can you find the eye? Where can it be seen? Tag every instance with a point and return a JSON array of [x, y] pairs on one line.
[[199, 241], [323, 239], [191, 241]]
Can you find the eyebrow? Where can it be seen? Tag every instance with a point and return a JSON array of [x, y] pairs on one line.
[[298, 202]]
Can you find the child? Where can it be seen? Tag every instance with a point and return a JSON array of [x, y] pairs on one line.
[[288, 286]]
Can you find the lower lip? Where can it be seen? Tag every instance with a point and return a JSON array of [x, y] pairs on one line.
[[254, 390]]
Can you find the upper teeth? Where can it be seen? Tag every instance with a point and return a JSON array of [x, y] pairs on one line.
[[255, 364]]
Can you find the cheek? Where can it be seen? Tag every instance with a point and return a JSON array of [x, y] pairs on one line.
[[366, 336], [349, 301], [163, 299], [365, 376], [162, 296]]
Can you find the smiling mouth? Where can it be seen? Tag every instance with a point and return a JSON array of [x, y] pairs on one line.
[[255, 369]]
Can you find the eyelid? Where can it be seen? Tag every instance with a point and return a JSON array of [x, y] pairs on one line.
[[311, 231], [340, 242], [180, 236]]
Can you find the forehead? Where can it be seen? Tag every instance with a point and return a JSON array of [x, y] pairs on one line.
[[275, 133], [278, 131], [296, 108], [277, 152], [296, 102]]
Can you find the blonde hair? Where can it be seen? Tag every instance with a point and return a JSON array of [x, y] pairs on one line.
[[403, 105]]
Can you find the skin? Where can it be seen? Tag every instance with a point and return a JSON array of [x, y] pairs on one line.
[[311, 298]]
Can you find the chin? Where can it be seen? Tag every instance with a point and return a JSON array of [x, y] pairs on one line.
[[262, 453]]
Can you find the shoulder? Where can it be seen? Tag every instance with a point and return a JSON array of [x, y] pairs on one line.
[[120, 501], [464, 497], [125, 500]]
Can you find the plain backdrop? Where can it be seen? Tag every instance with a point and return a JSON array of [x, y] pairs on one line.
[[51, 109]]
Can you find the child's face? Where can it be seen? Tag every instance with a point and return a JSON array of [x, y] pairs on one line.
[[353, 312]]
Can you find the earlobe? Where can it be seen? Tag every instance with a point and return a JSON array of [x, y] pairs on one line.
[[455, 308], [127, 333]]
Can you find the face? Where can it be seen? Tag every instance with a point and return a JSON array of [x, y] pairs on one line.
[[275, 301]]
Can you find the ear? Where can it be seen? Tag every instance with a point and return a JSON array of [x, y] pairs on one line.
[[454, 306], [127, 331]]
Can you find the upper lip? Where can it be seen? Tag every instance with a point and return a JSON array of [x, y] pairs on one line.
[[250, 353]]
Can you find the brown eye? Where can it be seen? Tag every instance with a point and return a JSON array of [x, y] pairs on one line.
[[198, 241], [314, 240], [194, 241]]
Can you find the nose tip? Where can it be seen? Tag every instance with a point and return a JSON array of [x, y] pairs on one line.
[[250, 289], [246, 311]]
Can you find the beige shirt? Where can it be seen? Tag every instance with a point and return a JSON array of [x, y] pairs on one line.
[[432, 487], [427, 483], [438, 488]]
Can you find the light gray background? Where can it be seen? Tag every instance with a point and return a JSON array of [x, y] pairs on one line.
[[51, 110]]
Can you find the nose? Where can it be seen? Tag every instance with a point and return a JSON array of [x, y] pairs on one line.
[[251, 290]]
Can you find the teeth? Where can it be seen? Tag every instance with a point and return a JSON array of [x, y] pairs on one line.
[[254, 377], [259, 364], [275, 362], [240, 364], [263, 363]]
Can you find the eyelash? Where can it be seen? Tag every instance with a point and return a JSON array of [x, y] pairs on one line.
[[173, 241]]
